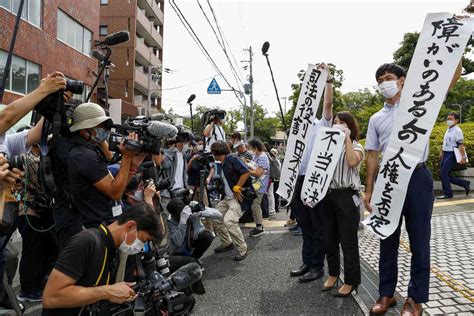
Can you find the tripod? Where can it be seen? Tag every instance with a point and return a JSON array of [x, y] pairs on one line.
[[105, 63]]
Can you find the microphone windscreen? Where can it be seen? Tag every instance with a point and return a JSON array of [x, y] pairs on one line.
[[186, 276], [117, 38], [162, 130], [211, 213]]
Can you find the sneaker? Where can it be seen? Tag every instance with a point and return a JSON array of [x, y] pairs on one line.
[[30, 297], [256, 232], [240, 257], [293, 228], [298, 231]]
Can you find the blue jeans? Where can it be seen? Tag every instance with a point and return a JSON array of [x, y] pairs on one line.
[[448, 163], [417, 211]]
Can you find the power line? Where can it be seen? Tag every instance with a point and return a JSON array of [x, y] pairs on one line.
[[193, 34], [224, 41], [222, 45], [190, 84]]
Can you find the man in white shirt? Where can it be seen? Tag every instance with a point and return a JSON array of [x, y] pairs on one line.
[[453, 138], [214, 131]]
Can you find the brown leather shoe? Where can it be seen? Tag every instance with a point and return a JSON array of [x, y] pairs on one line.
[[410, 308], [383, 303]]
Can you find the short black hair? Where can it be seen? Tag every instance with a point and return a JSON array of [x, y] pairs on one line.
[[236, 135], [257, 144], [392, 68], [455, 115], [175, 206], [220, 148], [146, 218]]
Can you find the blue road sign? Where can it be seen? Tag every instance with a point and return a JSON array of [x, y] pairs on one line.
[[213, 88]]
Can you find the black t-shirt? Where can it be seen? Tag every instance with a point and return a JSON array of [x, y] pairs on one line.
[[83, 259], [86, 168]]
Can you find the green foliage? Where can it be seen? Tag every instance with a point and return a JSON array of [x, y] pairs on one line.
[[197, 115], [403, 55], [436, 143]]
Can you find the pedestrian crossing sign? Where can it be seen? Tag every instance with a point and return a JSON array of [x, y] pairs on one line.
[[213, 88]]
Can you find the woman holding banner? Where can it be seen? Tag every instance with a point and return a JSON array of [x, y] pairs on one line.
[[340, 210]]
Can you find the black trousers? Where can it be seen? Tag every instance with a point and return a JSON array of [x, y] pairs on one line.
[[39, 252], [276, 185], [309, 220], [340, 217], [202, 243], [67, 223]]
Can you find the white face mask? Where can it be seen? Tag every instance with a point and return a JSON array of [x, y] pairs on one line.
[[185, 148], [450, 123], [138, 195], [132, 249], [389, 89], [199, 147], [339, 126]]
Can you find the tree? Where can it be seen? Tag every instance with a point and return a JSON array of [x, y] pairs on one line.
[[197, 116], [462, 93]]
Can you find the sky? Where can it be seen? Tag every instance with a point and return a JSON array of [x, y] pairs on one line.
[[355, 36]]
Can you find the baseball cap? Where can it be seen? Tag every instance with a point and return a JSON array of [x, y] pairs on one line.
[[237, 145], [88, 115]]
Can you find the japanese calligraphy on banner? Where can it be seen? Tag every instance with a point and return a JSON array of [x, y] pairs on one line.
[[437, 55], [305, 113], [325, 155]]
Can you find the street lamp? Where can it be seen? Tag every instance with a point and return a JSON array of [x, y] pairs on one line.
[[265, 48], [190, 99], [460, 108]]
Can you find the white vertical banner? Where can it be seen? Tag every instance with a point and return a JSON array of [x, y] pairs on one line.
[[305, 113], [325, 155], [437, 55]]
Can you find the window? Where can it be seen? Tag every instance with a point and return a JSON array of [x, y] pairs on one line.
[[103, 30], [73, 34], [31, 10], [24, 75], [104, 2]]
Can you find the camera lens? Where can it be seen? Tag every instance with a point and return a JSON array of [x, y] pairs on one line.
[[75, 86], [16, 162]]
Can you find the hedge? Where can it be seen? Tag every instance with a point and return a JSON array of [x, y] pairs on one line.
[[436, 142]]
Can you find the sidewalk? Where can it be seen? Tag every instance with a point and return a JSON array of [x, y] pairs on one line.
[[452, 263]]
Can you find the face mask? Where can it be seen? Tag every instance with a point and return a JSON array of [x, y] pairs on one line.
[[132, 249], [199, 147], [389, 89], [185, 148], [101, 135], [138, 195], [450, 123], [339, 126], [223, 122]]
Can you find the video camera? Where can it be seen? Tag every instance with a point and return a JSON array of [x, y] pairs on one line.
[[214, 114], [150, 133]]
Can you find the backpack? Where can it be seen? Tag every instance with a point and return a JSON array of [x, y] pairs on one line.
[[275, 171]]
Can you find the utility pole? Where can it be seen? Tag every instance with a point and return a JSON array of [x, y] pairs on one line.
[[252, 115], [284, 109]]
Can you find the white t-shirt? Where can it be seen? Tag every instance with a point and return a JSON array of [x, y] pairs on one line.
[[217, 133], [178, 176], [227, 190]]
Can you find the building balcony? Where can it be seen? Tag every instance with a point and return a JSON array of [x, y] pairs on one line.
[[145, 55], [152, 10], [139, 101], [141, 83], [147, 30]]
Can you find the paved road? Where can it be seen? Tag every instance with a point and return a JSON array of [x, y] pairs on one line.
[[261, 283]]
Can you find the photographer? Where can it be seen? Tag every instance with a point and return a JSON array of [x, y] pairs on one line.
[[180, 242], [91, 184], [174, 163], [235, 178], [16, 110], [39, 249], [214, 130], [85, 266]]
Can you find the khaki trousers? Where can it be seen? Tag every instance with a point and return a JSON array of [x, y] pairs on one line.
[[227, 228], [257, 209]]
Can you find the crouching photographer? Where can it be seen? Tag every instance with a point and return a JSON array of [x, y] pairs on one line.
[[85, 267], [187, 236]]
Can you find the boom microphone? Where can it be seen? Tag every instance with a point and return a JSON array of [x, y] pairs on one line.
[[185, 276], [115, 38], [162, 130]]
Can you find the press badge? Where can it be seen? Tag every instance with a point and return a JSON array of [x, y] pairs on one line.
[[116, 209]]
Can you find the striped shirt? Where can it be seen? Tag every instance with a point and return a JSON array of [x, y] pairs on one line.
[[344, 175]]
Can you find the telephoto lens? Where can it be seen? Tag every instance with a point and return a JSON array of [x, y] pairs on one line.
[[163, 265], [75, 86], [16, 162]]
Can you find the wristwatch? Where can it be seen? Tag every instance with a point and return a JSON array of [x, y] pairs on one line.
[[330, 80], [237, 188]]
